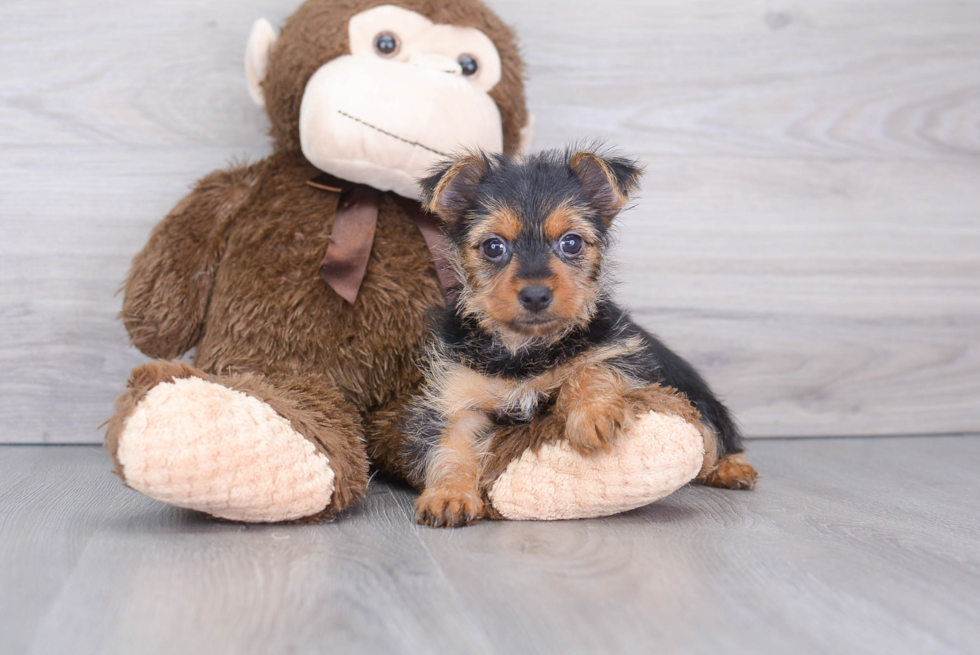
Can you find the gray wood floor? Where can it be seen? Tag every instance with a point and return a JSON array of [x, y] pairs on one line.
[[808, 231], [846, 546]]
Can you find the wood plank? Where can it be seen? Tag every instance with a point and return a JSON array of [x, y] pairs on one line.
[[847, 545], [807, 232], [836, 298], [65, 355], [830, 556], [792, 78], [89, 566], [802, 332]]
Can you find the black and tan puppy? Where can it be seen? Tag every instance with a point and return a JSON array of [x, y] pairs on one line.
[[533, 331]]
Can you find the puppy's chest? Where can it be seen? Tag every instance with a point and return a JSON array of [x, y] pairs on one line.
[[504, 400], [519, 403]]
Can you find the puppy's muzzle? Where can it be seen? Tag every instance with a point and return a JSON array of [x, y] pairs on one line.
[[535, 298]]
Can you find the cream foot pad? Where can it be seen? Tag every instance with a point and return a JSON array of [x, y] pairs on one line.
[[660, 454], [199, 445]]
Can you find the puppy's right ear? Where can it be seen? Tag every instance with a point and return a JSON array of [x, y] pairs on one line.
[[451, 191], [607, 182]]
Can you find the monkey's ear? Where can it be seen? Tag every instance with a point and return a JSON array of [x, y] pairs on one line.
[[261, 40], [607, 182], [453, 188]]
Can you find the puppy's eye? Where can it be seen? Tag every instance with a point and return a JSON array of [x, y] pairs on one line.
[[571, 244], [494, 248], [468, 64], [386, 44]]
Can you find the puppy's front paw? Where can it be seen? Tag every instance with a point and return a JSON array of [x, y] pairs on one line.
[[594, 425], [443, 508]]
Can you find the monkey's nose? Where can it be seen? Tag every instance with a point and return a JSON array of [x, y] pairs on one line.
[[535, 298], [436, 62]]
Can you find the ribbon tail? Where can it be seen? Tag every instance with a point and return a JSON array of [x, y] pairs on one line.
[[351, 241]]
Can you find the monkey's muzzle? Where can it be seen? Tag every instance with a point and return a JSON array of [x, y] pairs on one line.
[[386, 123]]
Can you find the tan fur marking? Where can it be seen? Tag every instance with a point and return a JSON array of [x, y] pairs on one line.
[[594, 405], [574, 294], [594, 358], [462, 390], [497, 299], [592, 397], [732, 472], [451, 497], [456, 389], [504, 223], [565, 219]]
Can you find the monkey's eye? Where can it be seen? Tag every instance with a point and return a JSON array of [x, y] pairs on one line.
[[494, 248], [468, 64], [571, 244], [386, 44]]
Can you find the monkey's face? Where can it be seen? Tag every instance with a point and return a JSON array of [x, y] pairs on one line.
[[409, 93]]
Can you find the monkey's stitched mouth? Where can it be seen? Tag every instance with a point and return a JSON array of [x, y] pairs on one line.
[[393, 136]]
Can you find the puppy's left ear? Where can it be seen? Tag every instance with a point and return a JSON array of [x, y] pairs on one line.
[[607, 182], [451, 191]]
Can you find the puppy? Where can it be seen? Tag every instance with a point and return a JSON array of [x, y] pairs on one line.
[[533, 333]]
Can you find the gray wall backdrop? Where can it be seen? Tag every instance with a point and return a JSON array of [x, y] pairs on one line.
[[808, 232]]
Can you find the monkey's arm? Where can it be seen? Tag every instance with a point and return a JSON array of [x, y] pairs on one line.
[[169, 285]]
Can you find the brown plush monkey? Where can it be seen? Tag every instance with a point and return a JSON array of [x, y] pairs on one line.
[[298, 380], [292, 385]]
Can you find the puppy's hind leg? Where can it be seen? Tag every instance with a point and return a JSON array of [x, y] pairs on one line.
[[732, 472]]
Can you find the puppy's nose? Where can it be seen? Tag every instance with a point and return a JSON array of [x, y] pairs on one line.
[[535, 297]]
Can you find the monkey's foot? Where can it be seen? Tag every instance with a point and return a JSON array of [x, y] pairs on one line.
[[197, 444]]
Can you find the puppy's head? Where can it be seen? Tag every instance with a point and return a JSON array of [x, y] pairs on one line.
[[529, 235]]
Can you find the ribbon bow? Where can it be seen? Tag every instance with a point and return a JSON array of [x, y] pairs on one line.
[[345, 263]]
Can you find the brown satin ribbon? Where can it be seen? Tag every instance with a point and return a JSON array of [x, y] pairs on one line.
[[345, 263]]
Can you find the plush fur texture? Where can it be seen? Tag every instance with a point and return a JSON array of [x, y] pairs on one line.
[[250, 465], [533, 335], [314, 410], [245, 291]]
